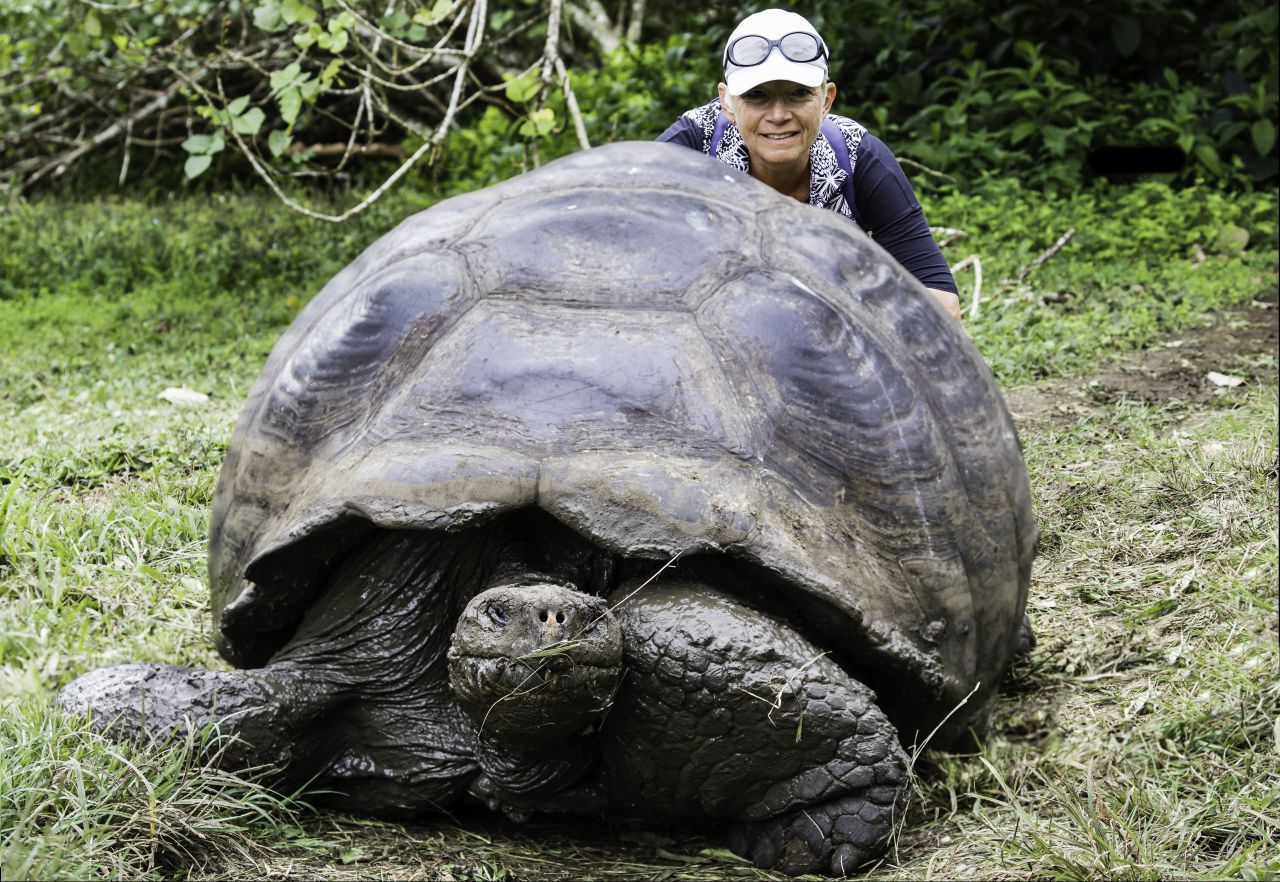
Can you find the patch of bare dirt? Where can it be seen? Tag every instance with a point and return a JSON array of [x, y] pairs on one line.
[[1194, 368]]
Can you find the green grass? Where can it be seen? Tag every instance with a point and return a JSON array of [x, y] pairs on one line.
[[74, 805], [1142, 740], [1139, 741]]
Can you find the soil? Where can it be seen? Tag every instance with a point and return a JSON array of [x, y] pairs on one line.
[[1175, 373]]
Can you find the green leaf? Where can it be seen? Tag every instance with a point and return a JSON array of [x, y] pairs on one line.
[[196, 164], [92, 26], [438, 11], [285, 76], [523, 89], [351, 855], [1207, 155], [338, 42], [1264, 136], [1026, 49], [267, 16], [235, 108], [279, 141], [1185, 140], [250, 123], [1022, 131], [394, 24], [330, 71], [539, 124], [297, 11], [197, 144], [1126, 33], [290, 103], [1055, 139]]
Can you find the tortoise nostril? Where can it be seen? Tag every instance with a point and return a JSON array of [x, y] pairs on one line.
[[542, 615], [559, 618]]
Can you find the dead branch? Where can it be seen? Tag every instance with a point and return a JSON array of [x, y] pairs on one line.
[[552, 63], [571, 104], [475, 36], [902, 160], [635, 21], [948, 235], [595, 21], [976, 262], [1048, 253], [379, 85], [59, 164], [383, 151]]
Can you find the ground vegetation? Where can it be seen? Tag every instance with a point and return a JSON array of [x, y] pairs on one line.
[[171, 169], [1139, 358]]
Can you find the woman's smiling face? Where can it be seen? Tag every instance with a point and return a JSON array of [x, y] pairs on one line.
[[779, 120]]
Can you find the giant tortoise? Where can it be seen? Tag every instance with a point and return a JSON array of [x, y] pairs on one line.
[[626, 486]]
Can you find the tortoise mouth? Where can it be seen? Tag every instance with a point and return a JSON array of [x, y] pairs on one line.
[[481, 679], [534, 696]]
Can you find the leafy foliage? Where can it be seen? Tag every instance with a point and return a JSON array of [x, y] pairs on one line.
[[969, 87], [307, 88], [1031, 90], [635, 93]]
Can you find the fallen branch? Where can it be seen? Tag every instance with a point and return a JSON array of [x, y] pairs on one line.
[[948, 234], [902, 160], [59, 164], [386, 151], [976, 262], [1050, 252], [474, 37], [571, 104]]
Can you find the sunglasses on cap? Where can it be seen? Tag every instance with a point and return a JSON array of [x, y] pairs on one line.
[[750, 50]]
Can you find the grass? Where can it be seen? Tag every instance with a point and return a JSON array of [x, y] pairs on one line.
[[76, 806], [1139, 741]]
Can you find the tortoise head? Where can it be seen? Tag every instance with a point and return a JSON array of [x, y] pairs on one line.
[[541, 660]]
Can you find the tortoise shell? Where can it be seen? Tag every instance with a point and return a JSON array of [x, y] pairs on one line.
[[670, 358]]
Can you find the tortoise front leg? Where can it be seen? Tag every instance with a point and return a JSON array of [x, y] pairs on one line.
[[729, 714], [257, 714], [357, 701]]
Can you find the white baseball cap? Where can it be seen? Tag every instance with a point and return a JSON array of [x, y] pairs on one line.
[[774, 24]]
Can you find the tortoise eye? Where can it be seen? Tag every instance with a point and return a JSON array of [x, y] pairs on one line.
[[497, 615]]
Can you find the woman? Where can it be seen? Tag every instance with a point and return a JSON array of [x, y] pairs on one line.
[[771, 121]]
